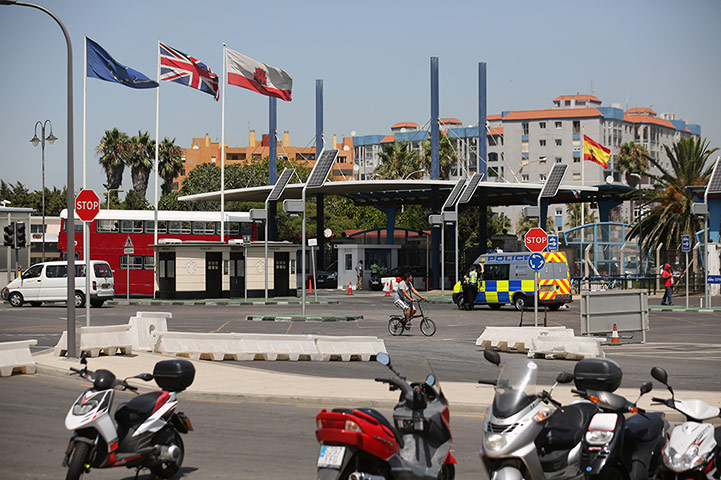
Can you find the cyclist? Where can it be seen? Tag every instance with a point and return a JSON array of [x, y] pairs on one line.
[[403, 298]]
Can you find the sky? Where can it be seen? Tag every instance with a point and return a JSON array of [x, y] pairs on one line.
[[373, 57]]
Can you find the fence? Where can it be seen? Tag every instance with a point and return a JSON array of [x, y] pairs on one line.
[[652, 283]]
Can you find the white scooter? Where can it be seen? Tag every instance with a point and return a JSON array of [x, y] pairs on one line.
[[694, 450], [148, 426]]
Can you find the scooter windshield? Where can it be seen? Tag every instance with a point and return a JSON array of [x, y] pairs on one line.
[[416, 369], [515, 388]]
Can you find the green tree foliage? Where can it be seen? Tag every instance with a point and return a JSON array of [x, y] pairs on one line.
[[468, 228], [169, 163], [113, 150], [573, 212], [399, 162], [20, 196], [670, 201], [632, 158], [446, 156], [141, 154]]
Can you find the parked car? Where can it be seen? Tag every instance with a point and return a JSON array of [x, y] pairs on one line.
[[328, 278], [419, 276]]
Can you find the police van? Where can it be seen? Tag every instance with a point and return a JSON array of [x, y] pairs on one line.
[[507, 279]]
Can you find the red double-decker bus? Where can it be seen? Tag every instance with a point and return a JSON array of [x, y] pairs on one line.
[[112, 230]]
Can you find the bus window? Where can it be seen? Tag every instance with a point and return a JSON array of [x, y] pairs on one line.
[[178, 227], [149, 262], [131, 226], [231, 228], [136, 262], [106, 226], [78, 225], [150, 226], [203, 228]]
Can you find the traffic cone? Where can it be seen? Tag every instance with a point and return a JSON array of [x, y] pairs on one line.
[[388, 289], [614, 335], [350, 288], [310, 285]]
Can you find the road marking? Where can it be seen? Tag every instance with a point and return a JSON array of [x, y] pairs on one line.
[[289, 327], [220, 327]]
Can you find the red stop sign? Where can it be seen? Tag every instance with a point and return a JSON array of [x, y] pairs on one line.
[[87, 205], [536, 239]]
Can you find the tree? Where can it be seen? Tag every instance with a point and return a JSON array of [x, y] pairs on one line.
[[524, 224], [573, 211], [399, 162], [670, 201], [113, 151], [446, 156], [141, 153], [170, 163], [632, 158]]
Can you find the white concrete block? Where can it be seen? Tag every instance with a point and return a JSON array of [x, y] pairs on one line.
[[143, 330], [16, 356], [94, 340], [165, 315], [348, 348], [279, 347], [564, 347], [516, 338]]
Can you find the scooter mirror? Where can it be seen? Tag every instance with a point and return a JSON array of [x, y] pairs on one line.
[[492, 357], [660, 374], [564, 377], [83, 359], [383, 359], [430, 380], [145, 376], [646, 387]]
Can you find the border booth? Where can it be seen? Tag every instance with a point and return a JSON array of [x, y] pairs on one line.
[[208, 270]]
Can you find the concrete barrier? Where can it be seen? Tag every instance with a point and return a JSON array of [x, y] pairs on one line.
[[16, 356], [197, 346], [165, 315], [280, 347], [348, 348], [94, 340], [518, 339], [143, 330], [565, 347]]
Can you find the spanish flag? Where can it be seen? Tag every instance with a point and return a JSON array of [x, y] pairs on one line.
[[595, 152]]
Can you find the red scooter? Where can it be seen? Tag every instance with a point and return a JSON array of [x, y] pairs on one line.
[[361, 444]]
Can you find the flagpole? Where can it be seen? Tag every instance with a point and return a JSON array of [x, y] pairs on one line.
[[157, 174], [86, 227], [583, 182], [222, 151]]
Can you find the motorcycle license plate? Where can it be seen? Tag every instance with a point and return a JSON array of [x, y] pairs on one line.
[[331, 456]]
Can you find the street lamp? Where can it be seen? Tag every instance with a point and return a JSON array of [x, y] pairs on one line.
[[108, 190], [35, 140]]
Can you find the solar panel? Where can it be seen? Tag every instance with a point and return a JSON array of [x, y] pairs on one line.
[[280, 185], [714, 183], [471, 188], [553, 181], [322, 167], [455, 193]]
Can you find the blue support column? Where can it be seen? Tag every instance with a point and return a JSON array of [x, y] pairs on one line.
[[435, 163], [390, 212], [482, 163], [319, 211], [272, 162], [604, 209], [714, 219], [543, 214]]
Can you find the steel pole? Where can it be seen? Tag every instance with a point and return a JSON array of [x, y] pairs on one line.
[[707, 294], [302, 256], [265, 245], [43, 180], [686, 280], [443, 255]]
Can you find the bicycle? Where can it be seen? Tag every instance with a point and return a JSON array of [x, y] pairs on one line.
[[397, 323]]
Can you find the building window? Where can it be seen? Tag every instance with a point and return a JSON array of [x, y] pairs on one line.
[[558, 159], [542, 160], [559, 142], [495, 172], [493, 157], [568, 103], [541, 124], [576, 159], [542, 176], [576, 127], [524, 177], [576, 176], [542, 142], [559, 124], [524, 127]]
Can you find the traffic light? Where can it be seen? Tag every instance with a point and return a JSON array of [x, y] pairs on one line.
[[20, 239], [9, 235]]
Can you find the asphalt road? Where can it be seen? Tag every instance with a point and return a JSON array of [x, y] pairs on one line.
[[687, 344], [231, 440]]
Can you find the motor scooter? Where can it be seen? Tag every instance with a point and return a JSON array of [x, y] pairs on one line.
[[148, 428], [693, 450], [361, 444], [522, 437], [616, 447]]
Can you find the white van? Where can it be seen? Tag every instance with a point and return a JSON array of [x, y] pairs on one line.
[[48, 282]]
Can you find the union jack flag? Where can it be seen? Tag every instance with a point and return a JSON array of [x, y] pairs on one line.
[[178, 67]]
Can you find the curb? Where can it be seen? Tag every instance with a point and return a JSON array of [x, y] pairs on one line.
[[216, 304], [303, 318]]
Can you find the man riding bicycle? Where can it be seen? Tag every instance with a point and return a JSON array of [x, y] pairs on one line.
[[403, 298]]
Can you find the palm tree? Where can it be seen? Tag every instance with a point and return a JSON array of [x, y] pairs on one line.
[[632, 158], [670, 201], [573, 210], [399, 162], [446, 156], [113, 151], [170, 163], [142, 151]]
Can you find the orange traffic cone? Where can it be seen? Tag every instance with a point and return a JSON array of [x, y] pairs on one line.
[[310, 285], [350, 288], [614, 335], [388, 289]]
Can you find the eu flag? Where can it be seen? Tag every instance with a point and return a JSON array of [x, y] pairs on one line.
[[101, 65]]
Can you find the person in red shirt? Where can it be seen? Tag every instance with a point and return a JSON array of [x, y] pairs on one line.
[[667, 276]]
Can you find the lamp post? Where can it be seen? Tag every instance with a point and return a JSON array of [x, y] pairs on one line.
[[640, 224], [108, 190], [35, 141]]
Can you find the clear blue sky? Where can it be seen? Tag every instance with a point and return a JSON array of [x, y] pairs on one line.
[[373, 57]]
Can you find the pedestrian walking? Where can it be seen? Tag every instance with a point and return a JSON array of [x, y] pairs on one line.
[[667, 276], [359, 273]]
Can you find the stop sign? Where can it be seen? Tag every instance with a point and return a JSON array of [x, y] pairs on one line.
[[536, 239], [87, 205]]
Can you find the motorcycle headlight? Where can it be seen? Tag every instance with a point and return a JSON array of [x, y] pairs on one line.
[[85, 408], [598, 437], [495, 441]]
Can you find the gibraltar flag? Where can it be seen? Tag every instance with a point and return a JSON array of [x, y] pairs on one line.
[[248, 73]]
